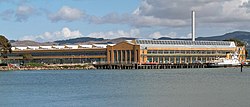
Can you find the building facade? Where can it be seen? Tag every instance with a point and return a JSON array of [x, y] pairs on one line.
[[172, 51], [57, 54], [129, 52]]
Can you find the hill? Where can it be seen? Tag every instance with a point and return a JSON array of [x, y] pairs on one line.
[[29, 43], [240, 35], [78, 40]]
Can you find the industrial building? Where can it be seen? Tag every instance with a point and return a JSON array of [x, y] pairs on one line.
[[58, 54], [129, 52], [171, 51]]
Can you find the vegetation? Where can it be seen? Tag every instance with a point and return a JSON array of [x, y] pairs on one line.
[[239, 43], [27, 56], [5, 46], [31, 64]]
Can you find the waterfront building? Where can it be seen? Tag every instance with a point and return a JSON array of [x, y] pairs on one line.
[[57, 54], [171, 51], [129, 52]]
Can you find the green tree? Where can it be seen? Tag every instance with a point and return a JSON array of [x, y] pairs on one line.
[[5, 46], [27, 56], [237, 42]]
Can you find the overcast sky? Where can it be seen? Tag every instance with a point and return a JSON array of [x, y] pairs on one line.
[[49, 20]]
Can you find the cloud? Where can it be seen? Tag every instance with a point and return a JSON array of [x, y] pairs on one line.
[[66, 14], [208, 11], [169, 13], [23, 12], [157, 35], [135, 33], [112, 18], [135, 20], [65, 33]]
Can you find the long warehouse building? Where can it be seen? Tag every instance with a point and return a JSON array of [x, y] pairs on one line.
[[129, 52]]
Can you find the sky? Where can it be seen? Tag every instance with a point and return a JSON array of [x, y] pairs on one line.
[[50, 20]]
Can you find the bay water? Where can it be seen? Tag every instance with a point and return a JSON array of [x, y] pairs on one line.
[[216, 87]]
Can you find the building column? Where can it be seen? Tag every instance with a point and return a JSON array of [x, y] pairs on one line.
[[130, 57], [135, 56], [117, 55], [121, 60], [112, 56], [126, 57]]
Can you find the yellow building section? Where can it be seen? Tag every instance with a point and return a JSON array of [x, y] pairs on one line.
[[83, 55], [133, 52], [183, 55], [123, 52]]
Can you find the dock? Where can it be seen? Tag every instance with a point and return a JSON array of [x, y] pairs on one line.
[[151, 66]]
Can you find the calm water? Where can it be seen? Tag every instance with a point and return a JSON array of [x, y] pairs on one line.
[[126, 88]]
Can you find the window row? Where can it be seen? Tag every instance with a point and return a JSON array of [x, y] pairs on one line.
[[90, 53], [185, 52], [182, 42]]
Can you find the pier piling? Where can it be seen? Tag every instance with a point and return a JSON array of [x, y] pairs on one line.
[[150, 66]]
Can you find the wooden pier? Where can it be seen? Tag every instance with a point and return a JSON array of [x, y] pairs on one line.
[[150, 66]]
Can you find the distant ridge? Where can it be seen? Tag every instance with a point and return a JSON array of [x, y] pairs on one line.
[[240, 35], [88, 40], [29, 43], [78, 40]]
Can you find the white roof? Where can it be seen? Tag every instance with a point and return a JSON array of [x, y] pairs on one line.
[[85, 46], [111, 44], [100, 45], [59, 47], [20, 48], [33, 47], [72, 46], [45, 47]]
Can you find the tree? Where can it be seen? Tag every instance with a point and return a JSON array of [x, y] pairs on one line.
[[5, 46], [239, 43], [27, 56]]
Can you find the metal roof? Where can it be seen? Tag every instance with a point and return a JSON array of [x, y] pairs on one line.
[[185, 43]]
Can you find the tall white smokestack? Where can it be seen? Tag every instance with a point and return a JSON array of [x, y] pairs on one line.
[[193, 25]]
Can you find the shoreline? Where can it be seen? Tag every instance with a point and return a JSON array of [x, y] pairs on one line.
[[53, 67], [78, 67]]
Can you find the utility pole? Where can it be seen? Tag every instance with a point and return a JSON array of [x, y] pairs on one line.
[[241, 66]]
